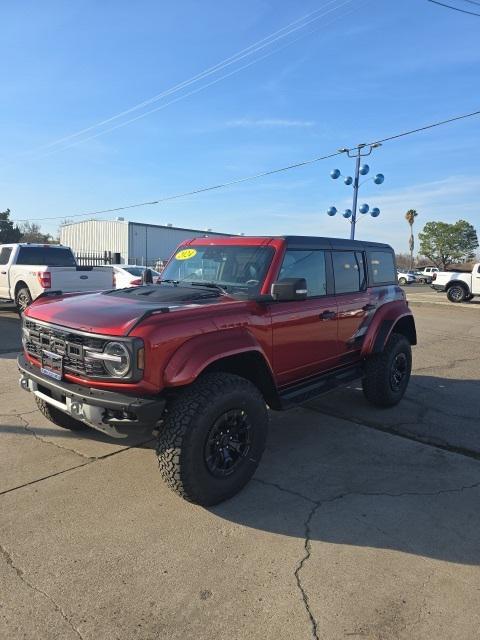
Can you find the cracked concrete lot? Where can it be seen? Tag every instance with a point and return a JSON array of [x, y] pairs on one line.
[[360, 522]]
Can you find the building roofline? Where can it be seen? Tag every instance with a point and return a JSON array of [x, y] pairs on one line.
[[149, 224]]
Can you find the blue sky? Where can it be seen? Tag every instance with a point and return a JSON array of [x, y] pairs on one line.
[[361, 71]]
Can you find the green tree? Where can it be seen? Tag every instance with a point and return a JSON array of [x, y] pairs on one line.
[[8, 232], [31, 233], [445, 244]]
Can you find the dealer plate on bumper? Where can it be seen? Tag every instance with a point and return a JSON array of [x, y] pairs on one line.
[[52, 365]]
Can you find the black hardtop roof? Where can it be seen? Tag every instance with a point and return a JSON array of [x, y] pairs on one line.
[[310, 242]]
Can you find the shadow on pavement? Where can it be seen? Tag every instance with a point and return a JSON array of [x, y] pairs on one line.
[[363, 488]]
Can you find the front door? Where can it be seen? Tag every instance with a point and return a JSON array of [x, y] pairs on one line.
[[305, 331]]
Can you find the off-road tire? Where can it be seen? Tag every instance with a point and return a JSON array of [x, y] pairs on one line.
[[190, 419], [402, 281], [60, 418], [22, 299], [457, 293], [378, 378]]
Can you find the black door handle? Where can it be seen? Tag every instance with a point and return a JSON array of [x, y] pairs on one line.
[[327, 315], [369, 307], [4, 273]]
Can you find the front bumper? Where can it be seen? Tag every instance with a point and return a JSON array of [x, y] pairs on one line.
[[113, 413]]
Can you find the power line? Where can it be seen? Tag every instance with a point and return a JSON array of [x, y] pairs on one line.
[[202, 87], [253, 177], [298, 24], [448, 6], [429, 126], [191, 193]]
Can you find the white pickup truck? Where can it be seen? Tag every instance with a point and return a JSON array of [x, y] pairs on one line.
[[459, 286], [28, 270]]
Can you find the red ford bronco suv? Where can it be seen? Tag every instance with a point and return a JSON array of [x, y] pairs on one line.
[[234, 326]]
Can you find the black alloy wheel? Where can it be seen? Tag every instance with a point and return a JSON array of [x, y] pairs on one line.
[[399, 371], [228, 443]]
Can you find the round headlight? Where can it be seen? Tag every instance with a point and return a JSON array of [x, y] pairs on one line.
[[117, 360]]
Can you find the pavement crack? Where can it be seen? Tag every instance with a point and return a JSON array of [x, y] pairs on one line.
[[78, 466], [29, 429], [317, 504], [306, 557], [392, 429], [275, 485], [21, 575]]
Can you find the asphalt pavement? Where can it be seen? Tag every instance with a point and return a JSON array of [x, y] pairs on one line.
[[360, 522]]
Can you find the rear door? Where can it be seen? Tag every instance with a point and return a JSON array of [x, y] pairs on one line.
[[5, 254], [355, 306], [305, 331]]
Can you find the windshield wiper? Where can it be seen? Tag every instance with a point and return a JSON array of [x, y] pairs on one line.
[[170, 281], [208, 285]]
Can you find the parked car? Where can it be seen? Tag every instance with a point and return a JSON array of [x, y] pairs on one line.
[[459, 286], [421, 277], [404, 277], [429, 271], [236, 324], [131, 275], [30, 270]]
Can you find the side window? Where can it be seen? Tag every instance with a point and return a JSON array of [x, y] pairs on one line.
[[382, 267], [309, 265], [349, 271], [5, 255]]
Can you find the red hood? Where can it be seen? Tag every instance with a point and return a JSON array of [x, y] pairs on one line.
[[100, 313]]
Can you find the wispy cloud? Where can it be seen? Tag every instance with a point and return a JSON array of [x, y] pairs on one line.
[[268, 122]]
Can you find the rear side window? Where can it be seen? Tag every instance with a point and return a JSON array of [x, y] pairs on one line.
[[49, 256], [5, 255], [381, 266], [309, 265], [349, 271]]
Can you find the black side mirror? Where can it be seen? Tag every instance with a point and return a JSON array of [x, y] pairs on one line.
[[289, 289], [147, 276]]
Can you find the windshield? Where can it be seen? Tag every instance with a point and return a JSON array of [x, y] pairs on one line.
[[237, 269]]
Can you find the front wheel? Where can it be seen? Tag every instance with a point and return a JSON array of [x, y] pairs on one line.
[[456, 293], [22, 299], [386, 374], [402, 281], [212, 439]]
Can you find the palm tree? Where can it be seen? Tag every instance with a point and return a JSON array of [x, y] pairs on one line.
[[410, 218]]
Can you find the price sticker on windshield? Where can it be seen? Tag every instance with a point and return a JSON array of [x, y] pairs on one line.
[[185, 254]]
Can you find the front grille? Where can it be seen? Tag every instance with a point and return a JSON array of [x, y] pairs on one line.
[[73, 347]]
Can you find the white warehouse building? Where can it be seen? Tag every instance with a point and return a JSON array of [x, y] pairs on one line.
[[129, 242]]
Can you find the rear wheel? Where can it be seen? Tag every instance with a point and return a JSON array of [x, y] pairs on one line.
[[22, 299], [213, 438], [386, 374], [402, 281], [456, 293], [59, 418]]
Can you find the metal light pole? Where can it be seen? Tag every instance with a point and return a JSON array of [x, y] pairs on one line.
[[355, 193], [358, 153]]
